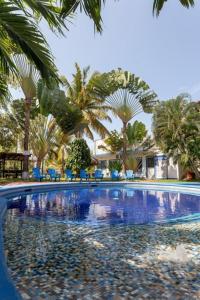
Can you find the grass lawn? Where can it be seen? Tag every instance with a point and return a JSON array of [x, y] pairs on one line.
[[5, 181]]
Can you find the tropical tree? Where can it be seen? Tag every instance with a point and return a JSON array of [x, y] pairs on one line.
[[43, 137], [79, 156], [27, 79], [113, 143], [9, 133], [128, 96], [82, 94], [176, 127], [54, 101], [57, 159], [136, 133], [158, 4], [16, 112]]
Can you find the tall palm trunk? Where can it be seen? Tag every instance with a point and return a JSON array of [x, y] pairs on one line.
[[28, 102], [124, 148]]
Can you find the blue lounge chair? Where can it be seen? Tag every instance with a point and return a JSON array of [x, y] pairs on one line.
[[83, 175], [98, 174], [53, 174], [37, 174], [115, 175], [129, 174], [69, 174]]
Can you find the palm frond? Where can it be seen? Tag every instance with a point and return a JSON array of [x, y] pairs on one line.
[[4, 92], [43, 9], [128, 94], [158, 5], [92, 9], [24, 33]]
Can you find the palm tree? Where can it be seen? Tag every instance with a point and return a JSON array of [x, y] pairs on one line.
[[43, 137], [27, 79], [176, 127], [158, 4], [129, 96], [54, 101], [83, 95]]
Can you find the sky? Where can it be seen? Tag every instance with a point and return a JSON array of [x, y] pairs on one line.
[[163, 51]]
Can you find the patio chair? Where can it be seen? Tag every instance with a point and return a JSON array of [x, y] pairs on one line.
[[37, 174], [129, 174], [84, 175], [69, 175], [115, 175], [53, 174], [98, 174]]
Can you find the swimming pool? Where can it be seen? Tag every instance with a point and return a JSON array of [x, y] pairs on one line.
[[104, 242]]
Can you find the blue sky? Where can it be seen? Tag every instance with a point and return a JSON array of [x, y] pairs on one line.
[[164, 51]]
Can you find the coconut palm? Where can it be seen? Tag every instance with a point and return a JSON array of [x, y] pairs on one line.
[[128, 96], [158, 4], [43, 133], [82, 94]]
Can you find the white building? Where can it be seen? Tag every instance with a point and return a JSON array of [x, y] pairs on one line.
[[152, 163]]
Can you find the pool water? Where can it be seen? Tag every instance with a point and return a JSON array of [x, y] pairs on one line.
[[98, 206], [104, 243]]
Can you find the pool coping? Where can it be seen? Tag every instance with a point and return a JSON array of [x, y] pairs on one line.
[[8, 290]]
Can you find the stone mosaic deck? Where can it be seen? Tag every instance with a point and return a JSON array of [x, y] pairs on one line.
[[62, 261]]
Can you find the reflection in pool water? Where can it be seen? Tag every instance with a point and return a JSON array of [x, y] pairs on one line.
[[106, 205]]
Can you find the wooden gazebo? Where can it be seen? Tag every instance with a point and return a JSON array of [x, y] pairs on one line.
[[11, 164]]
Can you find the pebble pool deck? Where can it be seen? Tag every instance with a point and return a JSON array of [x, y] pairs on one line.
[[78, 261]]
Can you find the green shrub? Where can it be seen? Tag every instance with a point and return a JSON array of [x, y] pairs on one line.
[[115, 165], [79, 156]]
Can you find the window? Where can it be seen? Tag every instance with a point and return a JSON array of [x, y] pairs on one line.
[[150, 162]]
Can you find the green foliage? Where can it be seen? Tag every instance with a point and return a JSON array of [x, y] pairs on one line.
[[115, 165], [128, 94], [8, 134], [79, 156], [20, 34], [54, 101], [158, 5], [17, 111], [82, 108], [176, 127], [43, 137], [113, 143], [136, 133], [82, 94], [91, 8]]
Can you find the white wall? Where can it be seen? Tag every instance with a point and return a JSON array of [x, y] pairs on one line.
[[172, 170]]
